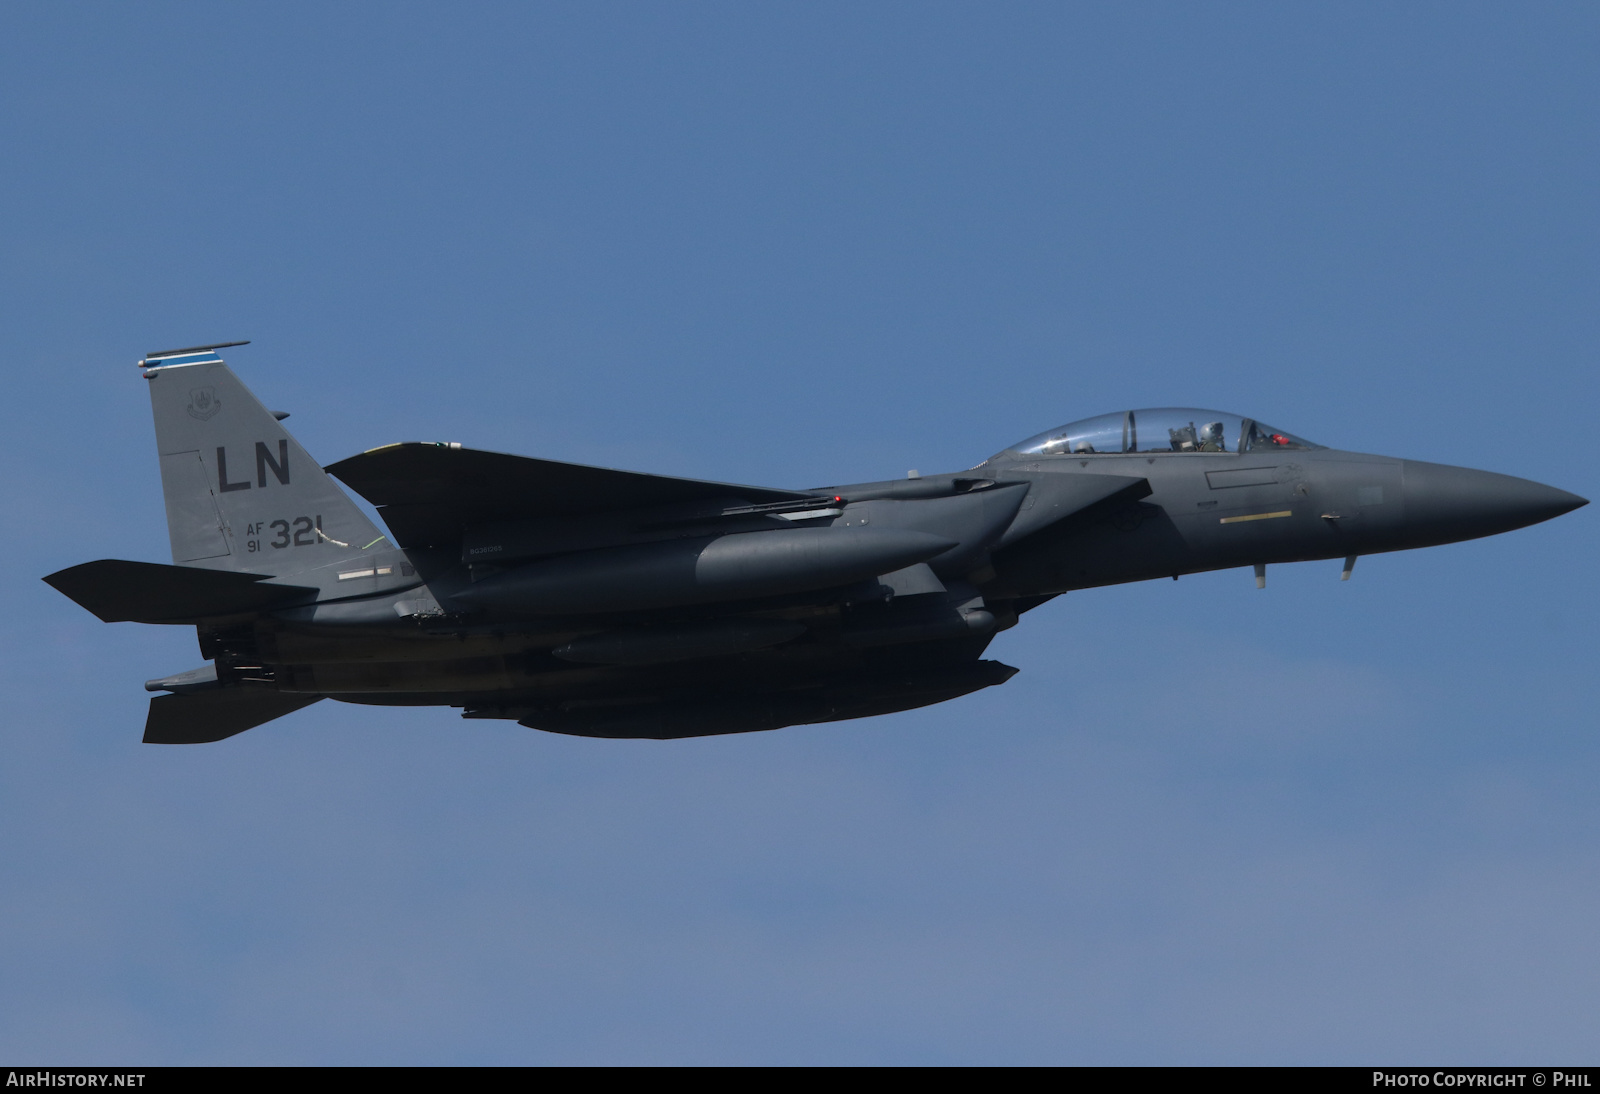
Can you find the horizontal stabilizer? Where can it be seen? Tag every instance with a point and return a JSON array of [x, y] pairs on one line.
[[428, 493], [150, 592], [212, 715]]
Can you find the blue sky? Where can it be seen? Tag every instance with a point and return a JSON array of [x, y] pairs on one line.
[[794, 245]]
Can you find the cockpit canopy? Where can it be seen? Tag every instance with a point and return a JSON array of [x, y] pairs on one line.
[[1160, 429]]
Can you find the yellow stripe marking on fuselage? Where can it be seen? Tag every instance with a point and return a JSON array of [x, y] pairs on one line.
[[1258, 516]]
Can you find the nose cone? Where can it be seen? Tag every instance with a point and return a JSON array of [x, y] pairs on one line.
[[1444, 504]]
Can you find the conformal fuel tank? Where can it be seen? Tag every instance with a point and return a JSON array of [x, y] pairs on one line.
[[702, 570]]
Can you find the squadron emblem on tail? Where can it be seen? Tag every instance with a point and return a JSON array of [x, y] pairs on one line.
[[203, 403]]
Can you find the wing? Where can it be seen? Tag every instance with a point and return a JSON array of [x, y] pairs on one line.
[[429, 493]]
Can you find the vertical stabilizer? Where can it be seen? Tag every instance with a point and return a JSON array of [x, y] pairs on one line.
[[241, 493]]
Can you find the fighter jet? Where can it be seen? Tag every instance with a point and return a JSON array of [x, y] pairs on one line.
[[603, 603]]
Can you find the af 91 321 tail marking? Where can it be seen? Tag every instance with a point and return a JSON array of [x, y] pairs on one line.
[[295, 532]]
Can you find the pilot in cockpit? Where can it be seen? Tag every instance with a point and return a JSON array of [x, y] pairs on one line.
[[1208, 438]]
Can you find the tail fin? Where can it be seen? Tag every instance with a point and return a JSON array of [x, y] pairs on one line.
[[241, 493]]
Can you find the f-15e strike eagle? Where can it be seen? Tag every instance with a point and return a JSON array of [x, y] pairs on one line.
[[607, 603]]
